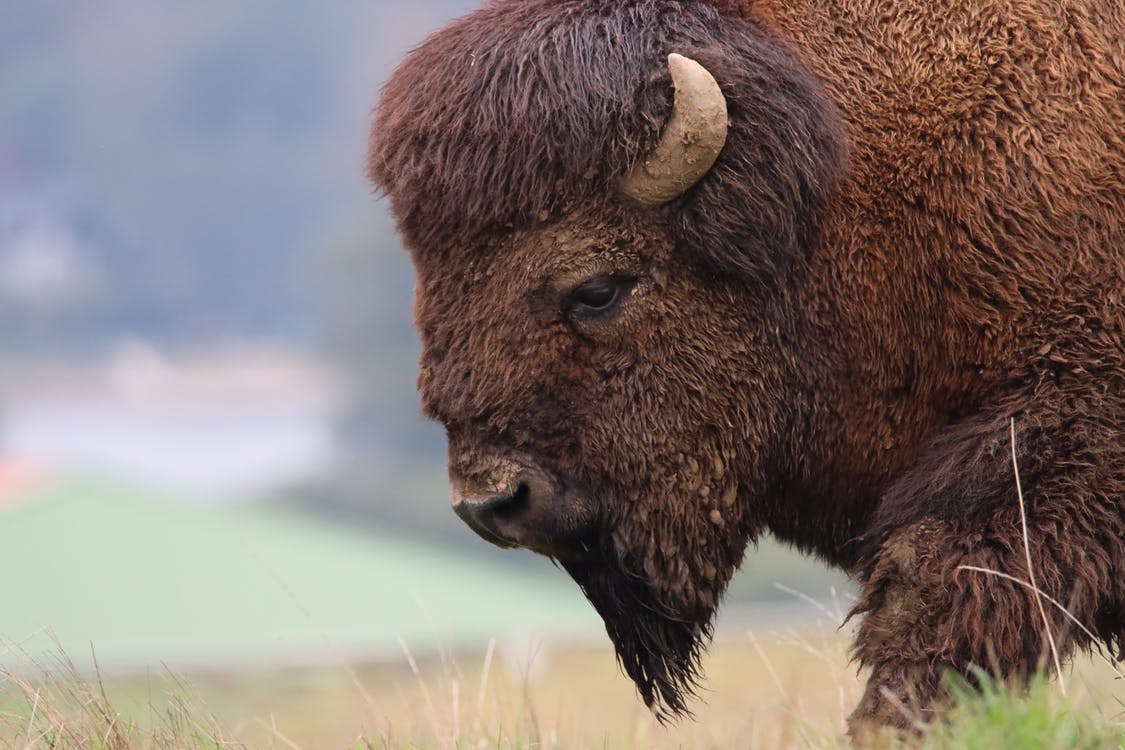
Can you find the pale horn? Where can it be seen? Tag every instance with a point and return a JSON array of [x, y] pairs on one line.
[[692, 139]]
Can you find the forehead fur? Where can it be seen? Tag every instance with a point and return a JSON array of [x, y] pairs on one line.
[[524, 108]]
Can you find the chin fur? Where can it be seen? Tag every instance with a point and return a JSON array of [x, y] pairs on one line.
[[659, 642]]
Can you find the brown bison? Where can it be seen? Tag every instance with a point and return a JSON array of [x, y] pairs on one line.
[[691, 271]]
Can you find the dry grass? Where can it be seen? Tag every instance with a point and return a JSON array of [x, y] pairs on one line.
[[53, 705], [771, 690], [787, 691]]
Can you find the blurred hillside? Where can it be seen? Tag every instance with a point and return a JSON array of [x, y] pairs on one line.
[[173, 170], [179, 176]]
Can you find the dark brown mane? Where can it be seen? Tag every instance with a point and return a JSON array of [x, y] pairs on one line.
[[513, 115]]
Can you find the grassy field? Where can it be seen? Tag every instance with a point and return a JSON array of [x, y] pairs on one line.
[[768, 691], [137, 575]]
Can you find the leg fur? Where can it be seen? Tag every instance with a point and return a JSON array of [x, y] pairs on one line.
[[926, 613]]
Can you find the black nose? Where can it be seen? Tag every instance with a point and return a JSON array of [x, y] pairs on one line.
[[486, 516]]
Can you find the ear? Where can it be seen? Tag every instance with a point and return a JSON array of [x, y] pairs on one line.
[[760, 204]]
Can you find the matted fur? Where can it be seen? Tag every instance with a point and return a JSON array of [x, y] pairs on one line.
[[915, 235]]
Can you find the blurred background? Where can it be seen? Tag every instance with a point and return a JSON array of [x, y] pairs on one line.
[[210, 448]]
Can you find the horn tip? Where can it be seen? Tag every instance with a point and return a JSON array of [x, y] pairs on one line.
[[677, 62]]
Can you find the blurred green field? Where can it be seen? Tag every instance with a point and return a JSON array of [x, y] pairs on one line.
[[144, 577]]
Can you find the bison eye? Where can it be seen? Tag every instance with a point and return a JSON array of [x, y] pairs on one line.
[[598, 295]]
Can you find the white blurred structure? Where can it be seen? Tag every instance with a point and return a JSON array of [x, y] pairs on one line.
[[44, 264], [229, 422]]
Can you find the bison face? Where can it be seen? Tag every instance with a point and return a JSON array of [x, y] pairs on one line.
[[605, 204], [599, 390]]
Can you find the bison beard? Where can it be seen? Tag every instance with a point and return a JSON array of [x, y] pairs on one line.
[[657, 587], [658, 646]]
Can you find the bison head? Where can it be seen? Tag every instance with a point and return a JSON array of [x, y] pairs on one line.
[[605, 204]]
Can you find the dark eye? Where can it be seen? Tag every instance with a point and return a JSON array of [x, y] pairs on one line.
[[598, 295]]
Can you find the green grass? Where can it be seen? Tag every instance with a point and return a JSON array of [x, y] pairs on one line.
[[1037, 717]]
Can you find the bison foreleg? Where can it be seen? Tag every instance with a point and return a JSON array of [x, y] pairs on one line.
[[959, 539], [947, 596]]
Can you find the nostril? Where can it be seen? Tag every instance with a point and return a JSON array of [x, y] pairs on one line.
[[501, 504], [489, 516], [507, 506]]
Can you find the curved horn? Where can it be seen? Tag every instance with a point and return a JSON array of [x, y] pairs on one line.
[[693, 137]]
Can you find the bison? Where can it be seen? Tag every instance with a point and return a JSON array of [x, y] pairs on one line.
[[693, 271]]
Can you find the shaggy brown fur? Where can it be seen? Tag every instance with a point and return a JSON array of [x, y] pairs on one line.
[[915, 233]]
